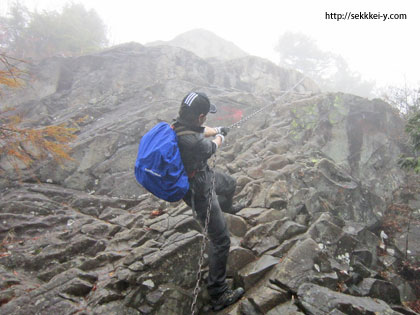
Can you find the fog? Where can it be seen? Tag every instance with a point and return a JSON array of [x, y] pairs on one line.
[[379, 48]]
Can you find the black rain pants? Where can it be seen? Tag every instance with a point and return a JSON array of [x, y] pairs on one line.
[[218, 233]]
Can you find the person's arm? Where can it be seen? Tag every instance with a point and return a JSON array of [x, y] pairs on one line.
[[219, 132], [209, 131], [219, 140], [205, 148]]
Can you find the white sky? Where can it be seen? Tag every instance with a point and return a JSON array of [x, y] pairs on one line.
[[385, 51]]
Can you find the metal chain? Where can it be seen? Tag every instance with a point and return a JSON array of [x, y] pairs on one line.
[[203, 244], [243, 120], [206, 224]]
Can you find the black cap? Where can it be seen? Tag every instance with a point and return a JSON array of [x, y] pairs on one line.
[[197, 103]]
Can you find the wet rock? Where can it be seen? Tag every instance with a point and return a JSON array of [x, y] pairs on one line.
[[317, 172], [269, 296], [276, 162], [363, 256], [288, 230], [387, 260], [346, 244], [181, 223], [248, 307], [241, 181], [129, 238], [176, 257], [145, 309], [281, 250], [110, 213], [7, 279], [80, 245], [380, 289], [264, 237], [77, 287], [324, 231], [101, 260], [126, 220], [403, 310], [405, 289], [99, 229], [270, 216], [335, 175], [250, 213], [105, 296], [259, 238], [52, 296], [362, 270], [156, 296], [319, 300], [413, 240], [297, 266], [249, 275], [277, 196], [327, 280], [322, 262], [236, 225], [255, 172], [271, 176], [239, 257], [176, 301], [288, 308]]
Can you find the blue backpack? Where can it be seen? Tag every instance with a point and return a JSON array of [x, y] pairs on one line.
[[159, 167]]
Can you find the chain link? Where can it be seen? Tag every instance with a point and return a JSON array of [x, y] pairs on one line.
[[243, 120], [203, 244], [206, 225]]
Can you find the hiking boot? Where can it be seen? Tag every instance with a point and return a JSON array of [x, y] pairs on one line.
[[227, 298]]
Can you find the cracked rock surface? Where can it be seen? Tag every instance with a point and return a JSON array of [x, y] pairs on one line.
[[317, 172]]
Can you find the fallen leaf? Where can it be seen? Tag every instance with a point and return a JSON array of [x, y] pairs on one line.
[[156, 213]]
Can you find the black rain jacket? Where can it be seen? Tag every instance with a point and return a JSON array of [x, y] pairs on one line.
[[195, 150]]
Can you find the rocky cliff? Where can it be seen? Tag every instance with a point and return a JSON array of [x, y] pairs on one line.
[[317, 171], [204, 44]]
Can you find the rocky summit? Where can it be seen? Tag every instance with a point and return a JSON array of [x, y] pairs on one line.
[[325, 229]]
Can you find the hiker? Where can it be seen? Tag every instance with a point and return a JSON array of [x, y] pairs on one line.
[[196, 148]]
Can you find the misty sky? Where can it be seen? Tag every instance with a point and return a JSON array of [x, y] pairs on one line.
[[386, 51]]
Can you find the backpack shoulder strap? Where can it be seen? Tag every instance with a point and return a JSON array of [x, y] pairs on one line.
[[182, 131], [185, 132]]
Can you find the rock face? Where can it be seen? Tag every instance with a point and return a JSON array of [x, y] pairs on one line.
[[204, 44], [317, 172]]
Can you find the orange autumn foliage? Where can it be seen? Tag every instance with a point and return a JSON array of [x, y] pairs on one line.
[[29, 144], [9, 73]]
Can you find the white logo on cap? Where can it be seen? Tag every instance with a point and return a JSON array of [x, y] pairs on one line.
[[190, 98]]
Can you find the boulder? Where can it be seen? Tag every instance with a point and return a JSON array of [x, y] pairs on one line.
[[266, 236], [288, 308], [297, 266], [236, 225], [239, 257], [319, 300], [270, 215], [269, 296], [380, 289], [249, 275]]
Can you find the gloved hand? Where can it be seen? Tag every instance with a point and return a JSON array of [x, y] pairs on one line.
[[222, 137], [222, 130]]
